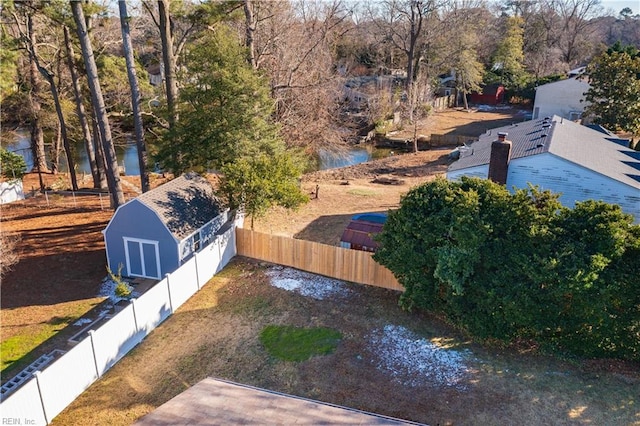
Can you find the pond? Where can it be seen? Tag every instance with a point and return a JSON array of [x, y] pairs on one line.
[[18, 141], [355, 155]]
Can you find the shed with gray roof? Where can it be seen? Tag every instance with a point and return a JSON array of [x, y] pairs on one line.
[[156, 232], [565, 157]]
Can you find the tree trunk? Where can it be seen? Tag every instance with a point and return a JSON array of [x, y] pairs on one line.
[[82, 115], [113, 178], [63, 127], [37, 136], [169, 61], [54, 152], [135, 96], [97, 144], [56, 102], [250, 29]]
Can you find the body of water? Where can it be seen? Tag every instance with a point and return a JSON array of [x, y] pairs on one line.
[[19, 142]]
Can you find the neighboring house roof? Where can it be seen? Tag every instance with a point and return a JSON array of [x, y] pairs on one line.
[[577, 71], [184, 204], [563, 138], [579, 82]]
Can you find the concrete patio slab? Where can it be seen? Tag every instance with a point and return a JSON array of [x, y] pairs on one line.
[[219, 402]]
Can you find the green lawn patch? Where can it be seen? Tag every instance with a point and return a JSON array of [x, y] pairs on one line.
[[362, 192], [299, 344]]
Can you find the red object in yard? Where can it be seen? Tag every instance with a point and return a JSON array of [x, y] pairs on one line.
[[492, 94], [359, 235]]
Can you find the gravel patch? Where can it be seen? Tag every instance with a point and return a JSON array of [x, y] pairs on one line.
[[305, 283], [417, 362], [82, 321]]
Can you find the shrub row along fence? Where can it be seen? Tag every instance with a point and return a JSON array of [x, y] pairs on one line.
[[51, 390], [336, 262]]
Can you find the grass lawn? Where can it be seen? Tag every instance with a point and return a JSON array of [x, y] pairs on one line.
[[19, 339], [387, 361]]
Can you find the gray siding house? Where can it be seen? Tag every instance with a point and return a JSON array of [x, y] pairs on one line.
[[156, 232], [559, 155]]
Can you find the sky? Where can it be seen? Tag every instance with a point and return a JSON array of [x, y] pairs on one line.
[[618, 5]]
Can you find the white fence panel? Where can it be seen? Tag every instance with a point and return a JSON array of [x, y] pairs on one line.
[[115, 338], [208, 260], [54, 388], [24, 404], [11, 191], [152, 307], [183, 283], [65, 379], [228, 247]]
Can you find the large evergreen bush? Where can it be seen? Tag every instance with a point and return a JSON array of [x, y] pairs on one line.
[[519, 265]]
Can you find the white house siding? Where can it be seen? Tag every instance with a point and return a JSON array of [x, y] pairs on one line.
[[561, 98], [575, 183]]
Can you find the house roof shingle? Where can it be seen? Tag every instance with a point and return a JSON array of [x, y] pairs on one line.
[[563, 138], [184, 204]]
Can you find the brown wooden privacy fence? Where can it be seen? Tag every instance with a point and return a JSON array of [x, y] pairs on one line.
[[444, 140], [443, 102], [336, 262]]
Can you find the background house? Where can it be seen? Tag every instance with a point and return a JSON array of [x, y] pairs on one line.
[[559, 155], [156, 232], [564, 98]]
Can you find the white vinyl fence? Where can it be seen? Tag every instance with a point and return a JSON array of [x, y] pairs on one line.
[[11, 191], [51, 390]]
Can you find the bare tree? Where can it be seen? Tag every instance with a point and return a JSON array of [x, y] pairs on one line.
[[113, 178], [35, 102], [293, 45], [135, 96], [401, 23], [577, 27], [48, 75]]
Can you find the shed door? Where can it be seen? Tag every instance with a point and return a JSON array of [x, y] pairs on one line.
[[143, 257]]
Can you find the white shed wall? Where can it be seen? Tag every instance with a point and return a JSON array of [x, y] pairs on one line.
[[560, 98]]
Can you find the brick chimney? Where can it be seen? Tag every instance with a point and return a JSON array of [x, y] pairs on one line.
[[499, 160]]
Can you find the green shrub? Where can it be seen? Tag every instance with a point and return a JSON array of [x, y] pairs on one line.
[[518, 265], [12, 166], [122, 290]]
